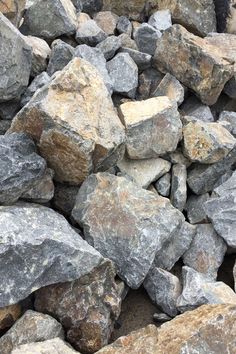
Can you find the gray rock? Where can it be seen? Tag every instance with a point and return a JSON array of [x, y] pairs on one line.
[[4, 126], [124, 25], [178, 194], [206, 252], [161, 20], [51, 21], [195, 108], [143, 60], [148, 80], [177, 157], [125, 223], [223, 178], [227, 187], [109, 46], [20, 166], [51, 346], [61, 55], [9, 109], [127, 42], [174, 248], [78, 5], [146, 38], [107, 21], [38, 82], [230, 88], [124, 74], [64, 198], [15, 61], [170, 87], [194, 207], [90, 33], [163, 185], [50, 248], [31, 327], [164, 289], [91, 6], [229, 117]]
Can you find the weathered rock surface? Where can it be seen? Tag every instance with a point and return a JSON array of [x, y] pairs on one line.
[[124, 25], [51, 346], [178, 195], [127, 42], [170, 87], [153, 127], [107, 21], [91, 6], [50, 248], [163, 185], [87, 308], [31, 327], [90, 33], [195, 208], [74, 145], [134, 226], [8, 315], [38, 82], [9, 109], [62, 53], [13, 10]]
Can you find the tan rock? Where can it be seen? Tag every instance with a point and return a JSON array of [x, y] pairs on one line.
[[82, 18], [13, 10], [107, 21], [74, 123], [8, 315]]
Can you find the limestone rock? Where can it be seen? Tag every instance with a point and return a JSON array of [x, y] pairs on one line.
[[109, 46], [146, 38], [90, 33], [142, 60], [170, 87], [62, 53], [163, 185], [13, 10], [38, 82], [8, 315], [161, 20], [74, 145], [134, 224], [178, 194], [194, 207], [64, 198], [107, 21], [153, 127], [51, 346]]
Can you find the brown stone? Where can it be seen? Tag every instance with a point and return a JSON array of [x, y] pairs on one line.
[[8, 315], [107, 21], [13, 10]]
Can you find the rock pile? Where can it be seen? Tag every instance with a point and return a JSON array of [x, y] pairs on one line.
[[117, 171]]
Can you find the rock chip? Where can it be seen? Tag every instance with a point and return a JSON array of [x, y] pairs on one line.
[[38, 82], [13, 10], [146, 38], [62, 53], [170, 87], [8, 315], [163, 185], [107, 21], [109, 46], [90, 33], [178, 194], [194, 207], [51, 346], [161, 20]]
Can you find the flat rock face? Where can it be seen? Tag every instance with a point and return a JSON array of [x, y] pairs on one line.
[[153, 127], [125, 223], [50, 248], [55, 346], [87, 308], [13, 10], [74, 145], [15, 61], [8, 315], [229, 117], [191, 60], [163, 185], [31, 327], [170, 87]]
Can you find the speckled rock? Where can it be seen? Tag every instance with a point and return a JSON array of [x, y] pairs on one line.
[[229, 117], [146, 38], [107, 21], [178, 195], [87, 308], [161, 20], [62, 53], [170, 87], [51, 346], [64, 198], [109, 46], [13, 10], [38, 82], [163, 185], [131, 216], [90, 33], [146, 123], [74, 146], [142, 60], [194, 207], [8, 315]]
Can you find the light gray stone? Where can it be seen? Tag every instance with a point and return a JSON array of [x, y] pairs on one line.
[[193, 107], [163, 185], [143, 60], [51, 346], [194, 207], [61, 55], [178, 195], [223, 179], [38, 82], [161, 20], [124, 25], [170, 87], [146, 38], [229, 117], [90, 33], [227, 187], [109, 46]]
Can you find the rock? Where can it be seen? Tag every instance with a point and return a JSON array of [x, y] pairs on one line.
[[142, 60], [87, 308], [4, 126], [194, 207], [161, 317], [131, 216], [62, 53], [221, 180], [124, 25], [227, 187], [170, 87], [177, 157], [95, 57], [200, 290], [50, 243], [163, 185], [161, 20], [194, 108], [124, 74], [109, 46], [207, 142], [74, 147], [51, 346], [146, 124], [230, 88], [31, 327], [146, 38], [148, 80], [8, 315], [144, 172], [15, 61], [229, 117], [127, 42], [91, 6], [90, 33], [20, 166], [9, 109], [107, 21], [78, 5], [51, 21], [38, 82], [164, 289], [13, 10], [234, 274], [206, 252], [179, 52], [198, 17], [175, 247], [41, 52], [64, 198], [178, 195]]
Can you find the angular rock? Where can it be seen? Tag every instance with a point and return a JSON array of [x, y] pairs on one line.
[[195, 63], [51, 21], [31, 327], [15, 61], [146, 38], [153, 127], [144, 172], [124, 74], [222, 180], [91, 6], [229, 117], [109, 46], [38, 82], [87, 308], [164, 289], [170, 87], [177, 157], [8, 315], [163, 185], [148, 80], [227, 187], [90, 33], [230, 88], [194, 207], [194, 108], [13, 10], [64, 198], [207, 142], [107, 21], [55, 346], [50, 248], [131, 216], [62, 53], [74, 146], [124, 25], [178, 194], [206, 252], [142, 60], [127, 42], [161, 20]]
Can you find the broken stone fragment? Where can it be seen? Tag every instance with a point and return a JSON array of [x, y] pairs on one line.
[[193, 107], [109, 46], [107, 21], [124, 25], [170, 87], [55, 346], [90, 33], [142, 60], [163, 185], [178, 194], [61, 54], [146, 38], [161, 20], [229, 117], [91, 6]]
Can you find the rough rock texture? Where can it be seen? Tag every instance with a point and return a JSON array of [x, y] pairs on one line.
[[90, 33], [194, 108], [13, 10], [15, 61], [74, 146], [109, 46], [153, 127], [195, 208], [107, 21], [38, 82], [142, 60], [133, 226], [163, 185], [87, 308], [51, 346], [9, 109], [198, 65], [178, 194], [8, 315], [50, 248], [170, 87], [161, 20], [61, 55], [31, 327], [124, 25], [227, 187], [127, 42], [146, 38]]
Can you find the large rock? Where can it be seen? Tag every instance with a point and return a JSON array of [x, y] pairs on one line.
[[50, 248], [13, 10], [21, 168], [31, 327], [87, 308], [194, 62], [125, 223], [153, 127], [51, 346], [15, 61], [8, 315], [74, 145]]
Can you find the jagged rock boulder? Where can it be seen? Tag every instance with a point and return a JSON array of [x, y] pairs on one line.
[[55, 346]]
